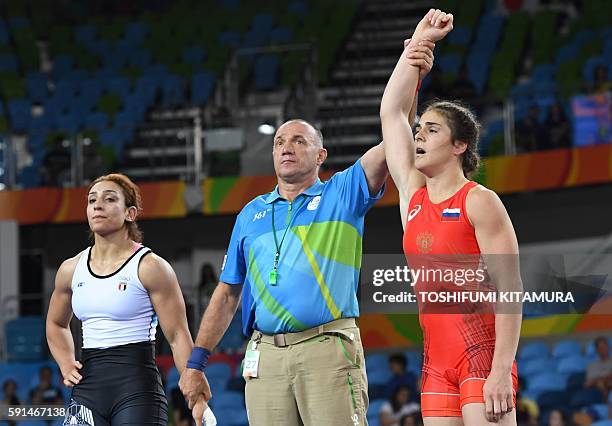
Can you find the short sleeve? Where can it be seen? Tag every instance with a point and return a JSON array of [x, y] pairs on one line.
[[233, 270], [352, 188]]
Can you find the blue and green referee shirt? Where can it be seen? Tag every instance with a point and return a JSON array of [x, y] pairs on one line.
[[320, 257]]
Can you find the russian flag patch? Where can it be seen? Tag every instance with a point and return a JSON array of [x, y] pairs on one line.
[[451, 215]]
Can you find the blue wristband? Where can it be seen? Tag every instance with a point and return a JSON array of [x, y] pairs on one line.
[[198, 359]]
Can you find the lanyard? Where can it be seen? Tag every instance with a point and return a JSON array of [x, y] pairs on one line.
[[274, 271]]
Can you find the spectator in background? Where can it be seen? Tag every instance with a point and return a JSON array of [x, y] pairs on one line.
[[558, 127], [527, 410], [531, 134], [9, 387], [206, 287], [45, 393], [399, 375], [398, 406], [599, 373], [556, 418], [412, 420], [180, 410], [56, 165], [601, 81]]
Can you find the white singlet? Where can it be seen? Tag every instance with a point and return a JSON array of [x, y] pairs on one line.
[[115, 309]]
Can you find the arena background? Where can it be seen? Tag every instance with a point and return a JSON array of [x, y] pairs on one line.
[[183, 96]]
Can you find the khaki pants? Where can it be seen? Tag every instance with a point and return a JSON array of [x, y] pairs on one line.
[[318, 382]]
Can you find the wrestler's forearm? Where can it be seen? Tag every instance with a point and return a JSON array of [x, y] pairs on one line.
[[507, 332]]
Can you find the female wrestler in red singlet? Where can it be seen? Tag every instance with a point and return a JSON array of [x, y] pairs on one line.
[[469, 373]]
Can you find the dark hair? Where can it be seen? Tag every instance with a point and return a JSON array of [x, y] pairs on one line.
[[464, 127], [393, 400], [131, 193], [7, 383], [399, 359], [599, 340]]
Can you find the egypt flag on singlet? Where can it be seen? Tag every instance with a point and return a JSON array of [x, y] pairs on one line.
[[451, 215]]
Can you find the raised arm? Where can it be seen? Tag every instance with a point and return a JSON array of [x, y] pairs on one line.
[[499, 247], [58, 332], [398, 101]]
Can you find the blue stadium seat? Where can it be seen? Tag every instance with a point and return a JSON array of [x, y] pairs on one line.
[[373, 411], [24, 338], [116, 59], [227, 400], [534, 350], [602, 423], [377, 391], [450, 63], [232, 416], [66, 87], [568, 347], [551, 400], [20, 113], [543, 72], [146, 88], [92, 88], [99, 47], [254, 38], [601, 410], [529, 367], [460, 35], [378, 376], [70, 122], [219, 370], [229, 38], [415, 361], [585, 397], [172, 91], [376, 362], [202, 85], [262, 22], [233, 339], [135, 32], [547, 382], [266, 72], [8, 62], [478, 69], [97, 120], [37, 86], [119, 86], [575, 381], [85, 34], [194, 55], [139, 58], [566, 53], [573, 364], [584, 36], [62, 64]]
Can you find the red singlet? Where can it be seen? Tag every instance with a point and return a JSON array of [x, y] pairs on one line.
[[458, 344]]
